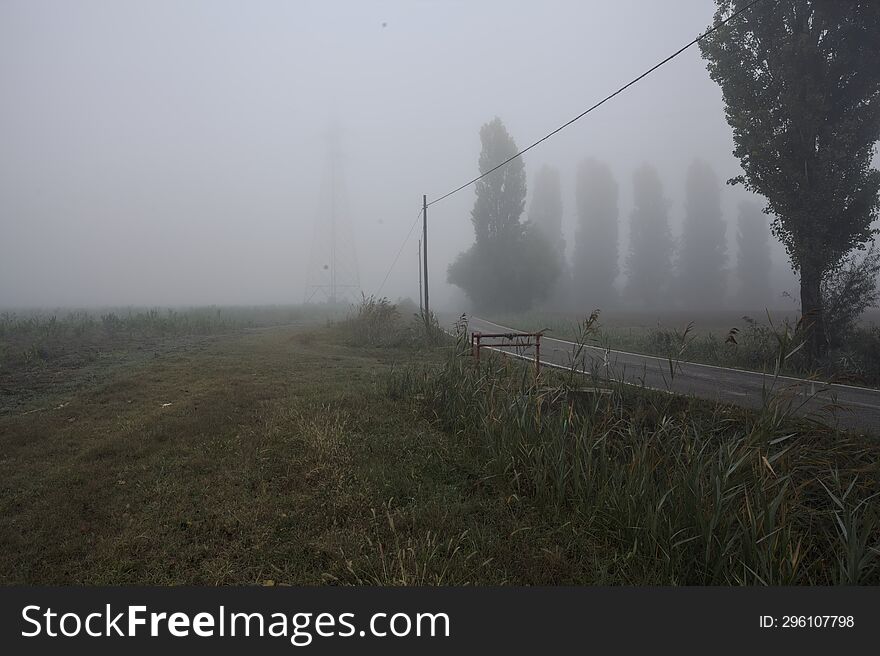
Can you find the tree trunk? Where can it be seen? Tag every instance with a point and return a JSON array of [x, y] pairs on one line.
[[812, 313]]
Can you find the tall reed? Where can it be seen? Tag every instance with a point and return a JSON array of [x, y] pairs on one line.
[[682, 491]]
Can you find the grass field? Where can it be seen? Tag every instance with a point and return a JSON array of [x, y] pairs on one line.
[[214, 459], [290, 455], [261, 455]]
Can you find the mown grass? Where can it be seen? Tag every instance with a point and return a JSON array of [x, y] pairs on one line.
[[240, 459]]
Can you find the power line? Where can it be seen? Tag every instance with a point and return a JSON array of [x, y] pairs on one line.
[[400, 250], [563, 126], [601, 102]]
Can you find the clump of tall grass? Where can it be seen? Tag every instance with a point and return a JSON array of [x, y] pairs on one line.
[[379, 322], [681, 491], [752, 345], [374, 322], [390, 556]]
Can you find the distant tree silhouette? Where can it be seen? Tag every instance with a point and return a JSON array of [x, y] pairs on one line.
[[703, 254], [510, 265], [649, 265], [753, 261], [545, 218], [594, 267], [545, 209]]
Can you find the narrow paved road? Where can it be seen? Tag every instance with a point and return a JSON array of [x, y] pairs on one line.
[[852, 408]]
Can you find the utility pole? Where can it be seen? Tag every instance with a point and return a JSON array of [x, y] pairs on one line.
[[425, 251], [421, 300]]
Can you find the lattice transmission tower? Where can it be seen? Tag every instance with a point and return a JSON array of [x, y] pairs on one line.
[[333, 270]]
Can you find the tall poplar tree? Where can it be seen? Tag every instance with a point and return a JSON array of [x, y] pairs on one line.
[[595, 266], [649, 265], [510, 266], [702, 280], [801, 87]]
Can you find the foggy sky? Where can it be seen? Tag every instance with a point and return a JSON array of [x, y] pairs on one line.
[[165, 152]]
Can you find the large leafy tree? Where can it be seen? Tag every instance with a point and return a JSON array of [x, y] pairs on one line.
[[703, 254], [649, 266], [511, 264], [595, 256], [801, 86]]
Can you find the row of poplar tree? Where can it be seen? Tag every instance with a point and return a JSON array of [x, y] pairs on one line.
[[516, 263], [800, 82]]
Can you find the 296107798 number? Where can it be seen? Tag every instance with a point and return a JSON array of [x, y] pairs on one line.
[[808, 621]]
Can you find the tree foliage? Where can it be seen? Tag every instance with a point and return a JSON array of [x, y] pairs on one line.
[[649, 265], [512, 278], [703, 254], [510, 264], [595, 264], [801, 86], [501, 195]]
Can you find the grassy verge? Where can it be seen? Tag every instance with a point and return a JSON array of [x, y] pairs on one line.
[[669, 490], [305, 455]]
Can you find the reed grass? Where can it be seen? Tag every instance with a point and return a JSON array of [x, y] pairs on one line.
[[682, 491], [750, 343]]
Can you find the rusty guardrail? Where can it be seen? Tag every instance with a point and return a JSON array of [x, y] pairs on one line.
[[517, 341]]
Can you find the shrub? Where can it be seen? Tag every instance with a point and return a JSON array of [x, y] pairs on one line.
[[848, 290], [378, 322]]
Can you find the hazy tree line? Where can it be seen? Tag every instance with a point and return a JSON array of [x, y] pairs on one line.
[[515, 264], [801, 89]]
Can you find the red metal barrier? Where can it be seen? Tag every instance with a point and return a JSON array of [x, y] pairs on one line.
[[516, 341]]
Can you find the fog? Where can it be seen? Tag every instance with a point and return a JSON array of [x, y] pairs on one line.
[[172, 153]]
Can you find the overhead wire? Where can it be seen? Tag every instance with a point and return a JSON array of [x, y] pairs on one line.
[[604, 100], [600, 103], [399, 251]]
